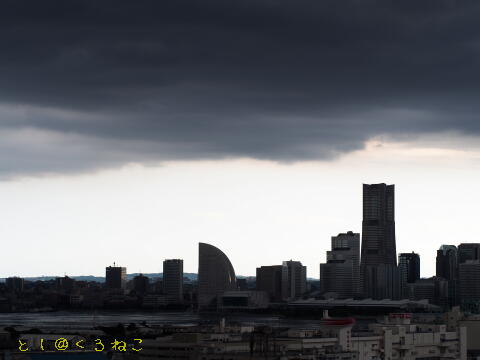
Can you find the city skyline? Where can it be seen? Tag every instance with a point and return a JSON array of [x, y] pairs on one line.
[[133, 129], [366, 200]]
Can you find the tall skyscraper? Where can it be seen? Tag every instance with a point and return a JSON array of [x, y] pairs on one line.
[[173, 280], [115, 277], [215, 275], [409, 268], [269, 279], [447, 268], [294, 280], [468, 251], [378, 240], [341, 273], [378, 226]]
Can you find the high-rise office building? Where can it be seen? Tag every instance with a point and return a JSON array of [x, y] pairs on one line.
[[409, 268], [378, 226], [294, 280], [409, 264], [269, 279], [447, 268], [215, 275], [173, 280], [447, 265], [115, 277], [469, 281], [140, 284], [468, 251], [378, 242], [340, 274]]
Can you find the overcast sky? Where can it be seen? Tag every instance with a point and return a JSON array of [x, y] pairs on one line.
[[130, 131]]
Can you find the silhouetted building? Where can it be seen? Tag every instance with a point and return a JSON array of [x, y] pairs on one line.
[[433, 289], [447, 268], [378, 242], [269, 279], [173, 280], [64, 283], [340, 275], [242, 284], [383, 282], [447, 262], [243, 300], [15, 283], [215, 275], [158, 286], [468, 251], [442, 296], [115, 277], [409, 264], [422, 289], [469, 279], [294, 280], [141, 284], [409, 268]]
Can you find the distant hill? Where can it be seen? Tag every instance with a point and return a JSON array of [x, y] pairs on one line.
[[101, 279], [190, 276]]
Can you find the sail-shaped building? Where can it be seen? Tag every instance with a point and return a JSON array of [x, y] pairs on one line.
[[215, 275]]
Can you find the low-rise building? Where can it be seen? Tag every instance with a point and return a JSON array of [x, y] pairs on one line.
[[243, 300], [394, 338]]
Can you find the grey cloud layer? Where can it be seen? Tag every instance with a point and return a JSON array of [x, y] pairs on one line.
[[183, 79]]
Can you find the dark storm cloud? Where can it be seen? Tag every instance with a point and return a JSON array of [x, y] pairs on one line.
[[107, 82]]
